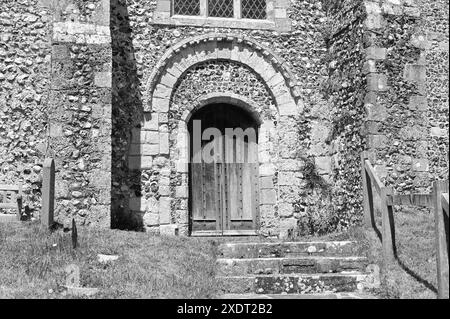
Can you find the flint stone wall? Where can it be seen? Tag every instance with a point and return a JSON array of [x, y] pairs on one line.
[[407, 128], [25, 55], [368, 75], [140, 44], [55, 76]]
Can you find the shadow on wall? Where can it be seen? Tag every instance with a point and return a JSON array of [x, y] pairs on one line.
[[127, 110]]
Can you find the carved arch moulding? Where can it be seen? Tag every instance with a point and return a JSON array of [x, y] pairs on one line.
[[272, 69]]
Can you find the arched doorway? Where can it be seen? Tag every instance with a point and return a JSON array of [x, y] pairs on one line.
[[223, 171]]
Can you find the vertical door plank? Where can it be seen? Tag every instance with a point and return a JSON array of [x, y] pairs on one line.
[[247, 190], [240, 203], [197, 191], [233, 191], [255, 177], [240, 158], [209, 191]]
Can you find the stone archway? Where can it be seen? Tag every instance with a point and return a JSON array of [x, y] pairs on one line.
[[272, 69], [273, 99]]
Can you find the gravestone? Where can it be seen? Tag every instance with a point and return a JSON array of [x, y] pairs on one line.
[[74, 234], [73, 285], [48, 193]]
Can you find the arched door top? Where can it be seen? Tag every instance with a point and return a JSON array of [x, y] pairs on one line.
[[189, 52], [224, 98]]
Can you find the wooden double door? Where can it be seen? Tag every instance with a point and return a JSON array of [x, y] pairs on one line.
[[224, 175]]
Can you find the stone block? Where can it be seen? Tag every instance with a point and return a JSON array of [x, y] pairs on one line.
[[377, 82], [182, 166], [149, 149], [375, 112], [268, 196], [151, 219], [151, 122], [319, 132], [164, 190], [266, 182], [390, 8], [290, 165], [323, 164], [60, 52], [372, 128], [266, 170], [181, 192], [420, 41], [163, 118], [319, 149], [372, 8], [164, 180], [412, 12], [165, 210], [375, 53], [289, 178], [267, 211], [56, 130], [415, 73], [413, 133], [374, 21], [164, 147], [438, 132], [160, 105], [169, 230], [168, 80], [103, 79], [420, 165], [418, 103], [280, 13], [289, 108], [370, 67], [150, 137], [285, 210]]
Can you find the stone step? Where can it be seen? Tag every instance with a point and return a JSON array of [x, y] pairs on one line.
[[299, 265], [341, 295], [294, 283], [289, 249]]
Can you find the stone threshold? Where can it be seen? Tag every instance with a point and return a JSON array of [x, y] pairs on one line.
[[347, 258]]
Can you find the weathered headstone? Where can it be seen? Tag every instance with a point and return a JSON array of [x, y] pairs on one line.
[[74, 234], [73, 283], [73, 276], [48, 193]]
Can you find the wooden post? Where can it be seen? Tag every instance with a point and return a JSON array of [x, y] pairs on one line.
[[440, 187], [367, 193], [388, 230], [19, 202], [48, 193]]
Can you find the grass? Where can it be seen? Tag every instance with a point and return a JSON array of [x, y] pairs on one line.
[[33, 262], [413, 275]]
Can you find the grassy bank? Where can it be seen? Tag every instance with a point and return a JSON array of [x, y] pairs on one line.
[[413, 275], [33, 262]]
